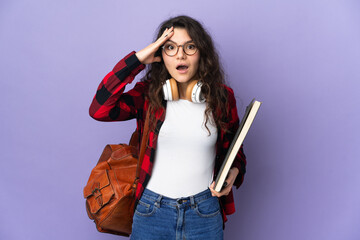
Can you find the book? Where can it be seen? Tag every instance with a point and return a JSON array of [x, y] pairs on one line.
[[245, 124]]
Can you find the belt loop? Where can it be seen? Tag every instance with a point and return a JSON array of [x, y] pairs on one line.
[[192, 201], [158, 200]]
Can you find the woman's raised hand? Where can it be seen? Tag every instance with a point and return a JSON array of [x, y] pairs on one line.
[[147, 55]]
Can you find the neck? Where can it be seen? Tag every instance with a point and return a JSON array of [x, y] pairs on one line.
[[182, 89]]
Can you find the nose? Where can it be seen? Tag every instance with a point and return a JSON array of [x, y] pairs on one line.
[[180, 54]]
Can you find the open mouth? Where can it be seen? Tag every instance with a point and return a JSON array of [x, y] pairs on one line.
[[181, 67]]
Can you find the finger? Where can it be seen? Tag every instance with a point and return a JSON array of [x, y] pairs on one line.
[[170, 33], [214, 193], [167, 34], [225, 191], [168, 30]]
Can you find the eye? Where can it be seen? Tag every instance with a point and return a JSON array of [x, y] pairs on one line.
[[169, 46], [191, 46]]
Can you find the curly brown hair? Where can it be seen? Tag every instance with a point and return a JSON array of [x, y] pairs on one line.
[[210, 72]]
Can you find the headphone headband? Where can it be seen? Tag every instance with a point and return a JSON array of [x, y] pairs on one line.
[[193, 91]]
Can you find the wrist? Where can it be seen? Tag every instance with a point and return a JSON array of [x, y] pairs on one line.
[[236, 170], [139, 57]]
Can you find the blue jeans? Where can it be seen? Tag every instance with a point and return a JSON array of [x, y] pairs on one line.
[[195, 217]]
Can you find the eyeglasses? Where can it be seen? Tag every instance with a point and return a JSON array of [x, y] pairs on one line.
[[171, 49]]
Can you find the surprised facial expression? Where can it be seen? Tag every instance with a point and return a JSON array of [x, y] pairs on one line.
[[182, 67]]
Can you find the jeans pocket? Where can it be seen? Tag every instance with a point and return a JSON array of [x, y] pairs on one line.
[[208, 208], [145, 208]]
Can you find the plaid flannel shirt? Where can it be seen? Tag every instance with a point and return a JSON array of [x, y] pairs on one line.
[[111, 104]]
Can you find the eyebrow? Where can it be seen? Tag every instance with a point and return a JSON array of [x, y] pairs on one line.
[[178, 44]]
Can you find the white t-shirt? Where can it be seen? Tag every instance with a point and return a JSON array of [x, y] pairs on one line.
[[185, 153]]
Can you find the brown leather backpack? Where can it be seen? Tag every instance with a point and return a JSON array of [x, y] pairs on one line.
[[110, 190]]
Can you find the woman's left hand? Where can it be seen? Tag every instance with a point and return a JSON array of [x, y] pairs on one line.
[[229, 181]]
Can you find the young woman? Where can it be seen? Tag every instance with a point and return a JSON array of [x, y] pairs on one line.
[[193, 118]]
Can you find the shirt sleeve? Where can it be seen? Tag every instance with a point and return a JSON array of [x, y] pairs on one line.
[[110, 103], [240, 159]]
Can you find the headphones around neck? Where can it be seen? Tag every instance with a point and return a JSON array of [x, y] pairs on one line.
[[193, 91]]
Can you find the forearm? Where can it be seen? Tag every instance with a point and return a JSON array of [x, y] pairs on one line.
[[108, 102]]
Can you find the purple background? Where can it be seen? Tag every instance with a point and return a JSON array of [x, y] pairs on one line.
[[301, 58]]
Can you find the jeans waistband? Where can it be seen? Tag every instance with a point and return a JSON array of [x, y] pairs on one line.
[[191, 200]]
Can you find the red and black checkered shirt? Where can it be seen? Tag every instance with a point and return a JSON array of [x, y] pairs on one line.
[[112, 104]]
